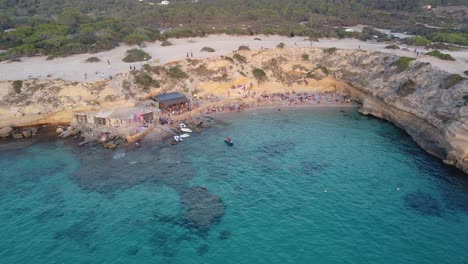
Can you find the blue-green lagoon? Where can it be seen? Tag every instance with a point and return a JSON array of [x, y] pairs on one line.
[[322, 185]]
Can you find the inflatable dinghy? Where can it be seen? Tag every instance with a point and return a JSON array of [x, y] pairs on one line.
[[230, 143]]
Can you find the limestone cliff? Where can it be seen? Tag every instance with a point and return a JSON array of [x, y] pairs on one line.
[[428, 103]]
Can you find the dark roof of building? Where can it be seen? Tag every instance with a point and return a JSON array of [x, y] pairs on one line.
[[169, 97]]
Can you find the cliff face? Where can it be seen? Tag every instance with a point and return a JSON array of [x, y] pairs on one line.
[[429, 104]]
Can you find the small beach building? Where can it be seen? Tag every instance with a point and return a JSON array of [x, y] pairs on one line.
[[170, 99], [116, 117]]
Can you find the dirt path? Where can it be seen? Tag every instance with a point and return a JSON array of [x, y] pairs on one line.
[[74, 68]]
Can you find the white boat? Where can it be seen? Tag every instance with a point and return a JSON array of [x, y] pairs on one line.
[[184, 135], [177, 138], [182, 125], [186, 130]]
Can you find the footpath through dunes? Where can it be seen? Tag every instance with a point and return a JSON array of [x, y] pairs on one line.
[[75, 68], [430, 104]]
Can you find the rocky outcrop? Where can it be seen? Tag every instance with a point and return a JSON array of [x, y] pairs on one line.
[[5, 132]]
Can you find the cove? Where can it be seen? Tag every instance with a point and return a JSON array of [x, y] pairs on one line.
[[322, 185]]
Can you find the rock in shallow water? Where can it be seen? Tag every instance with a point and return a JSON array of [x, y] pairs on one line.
[[423, 203], [203, 209], [5, 132]]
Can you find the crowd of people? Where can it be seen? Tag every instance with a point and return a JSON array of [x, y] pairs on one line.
[[292, 98]]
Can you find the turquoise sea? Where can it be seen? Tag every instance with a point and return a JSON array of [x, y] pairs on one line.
[[323, 185]]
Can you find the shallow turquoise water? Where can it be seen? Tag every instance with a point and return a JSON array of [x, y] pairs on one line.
[[299, 186]]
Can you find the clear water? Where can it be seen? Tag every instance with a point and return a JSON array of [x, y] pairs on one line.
[[299, 186]]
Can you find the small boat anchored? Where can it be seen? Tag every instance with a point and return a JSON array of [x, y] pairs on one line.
[[229, 142]]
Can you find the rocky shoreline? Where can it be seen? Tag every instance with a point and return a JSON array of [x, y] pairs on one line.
[[426, 102]]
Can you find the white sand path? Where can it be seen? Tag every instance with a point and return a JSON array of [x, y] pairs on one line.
[[74, 68]]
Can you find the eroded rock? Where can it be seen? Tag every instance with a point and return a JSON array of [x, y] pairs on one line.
[[5, 132]]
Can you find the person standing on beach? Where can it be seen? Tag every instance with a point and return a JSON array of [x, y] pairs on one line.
[[191, 54], [85, 76]]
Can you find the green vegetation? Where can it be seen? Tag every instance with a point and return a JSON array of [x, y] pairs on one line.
[[452, 80], [466, 72], [402, 63], [241, 48], [229, 59], [440, 55], [393, 46], [177, 73], [418, 41], [455, 38], [281, 45], [92, 59], [144, 80], [207, 49], [329, 50], [406, 88], [136, 38], [166, 43], [259, 74], [135, 55], [59, 28], [17, 85], [305, 57], [239, 58]]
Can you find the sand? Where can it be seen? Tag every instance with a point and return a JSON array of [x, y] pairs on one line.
[[74, 68]]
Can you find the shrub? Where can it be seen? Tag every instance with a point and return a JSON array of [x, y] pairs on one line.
[[241, 48], [466, 72], [166, 43], [17, 85], [440, 55], [207, 49], [406, 88], [452, 80], [305, 57], [92, 59], [259, 74], [392, 47], [136, 38], [402, 63], [281, 45], [329, 50], [177, 73], [240, 58], [229, 59], [144, 79], [258, 39], [135, 55], [418, 41]]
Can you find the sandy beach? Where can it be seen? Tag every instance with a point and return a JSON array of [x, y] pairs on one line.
[[74, 68]]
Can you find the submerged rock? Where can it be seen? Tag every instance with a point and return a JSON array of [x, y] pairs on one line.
[[201, 250], [423, 203], [224, 235], [203, 209]]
